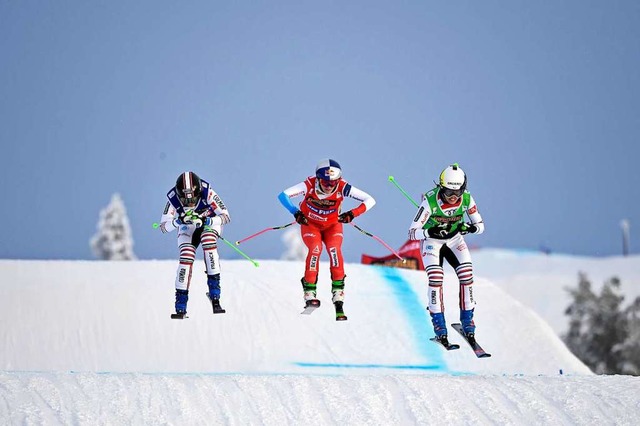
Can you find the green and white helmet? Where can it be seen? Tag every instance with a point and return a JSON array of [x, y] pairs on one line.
[[453, 180]]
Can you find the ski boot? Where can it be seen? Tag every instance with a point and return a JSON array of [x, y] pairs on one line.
[[182, 297], [440, 327], [310, 298], [468, 326], [337, 288], [213, 281], [340, 316]]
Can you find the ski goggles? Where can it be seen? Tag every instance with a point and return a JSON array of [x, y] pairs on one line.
[[448, 192], [328, 184], [188, 199]]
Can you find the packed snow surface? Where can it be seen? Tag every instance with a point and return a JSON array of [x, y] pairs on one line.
[[87, 342]]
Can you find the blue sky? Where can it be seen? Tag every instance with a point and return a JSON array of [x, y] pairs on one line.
[[537, 101]]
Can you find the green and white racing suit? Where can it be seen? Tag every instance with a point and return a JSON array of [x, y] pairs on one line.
[[447, 220]]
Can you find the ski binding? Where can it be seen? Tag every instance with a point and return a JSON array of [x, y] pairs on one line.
[[311, 305]]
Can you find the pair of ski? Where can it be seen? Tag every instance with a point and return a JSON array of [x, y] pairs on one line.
[[217, 309], [471, 340], [313, 304]]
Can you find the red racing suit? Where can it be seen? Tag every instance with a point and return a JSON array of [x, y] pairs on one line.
[[322, 211]]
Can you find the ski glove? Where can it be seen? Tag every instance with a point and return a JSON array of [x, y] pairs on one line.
[[437, 232], [346, 217], [192, 218], [300, 218], [200, 221], [468, 228], [185, 218]]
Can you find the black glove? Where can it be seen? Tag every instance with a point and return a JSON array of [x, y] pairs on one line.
[[346, 217], [191, 218], [439, 233], [300, 218], [468, 228], [197, 221], [184, 218]]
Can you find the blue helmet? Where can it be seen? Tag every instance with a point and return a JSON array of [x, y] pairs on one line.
[[328, 170]]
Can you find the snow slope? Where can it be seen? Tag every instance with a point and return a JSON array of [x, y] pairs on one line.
[[92, 343]]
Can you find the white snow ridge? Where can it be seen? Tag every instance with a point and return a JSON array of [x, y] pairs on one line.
[[92, 343]]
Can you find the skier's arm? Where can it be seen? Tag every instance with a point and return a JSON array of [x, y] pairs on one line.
[[416, 232], [474, 217], [366, 200], [216, 204], [168, 221], [285, 196]]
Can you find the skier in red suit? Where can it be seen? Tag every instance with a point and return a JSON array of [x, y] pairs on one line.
[[320, 218]]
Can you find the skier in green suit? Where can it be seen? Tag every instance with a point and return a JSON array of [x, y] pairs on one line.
[[440, 225]]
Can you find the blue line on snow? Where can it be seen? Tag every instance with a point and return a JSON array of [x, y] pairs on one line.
[[418, 321], [416, 314], [392, 366]]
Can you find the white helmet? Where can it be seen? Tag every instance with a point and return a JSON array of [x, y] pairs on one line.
[[453, 179]]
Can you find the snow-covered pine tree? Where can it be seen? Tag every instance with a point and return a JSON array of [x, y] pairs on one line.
[[579, 312], [113, 239], [608, 329], [598, 327], [630, 348], [296, 250]]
